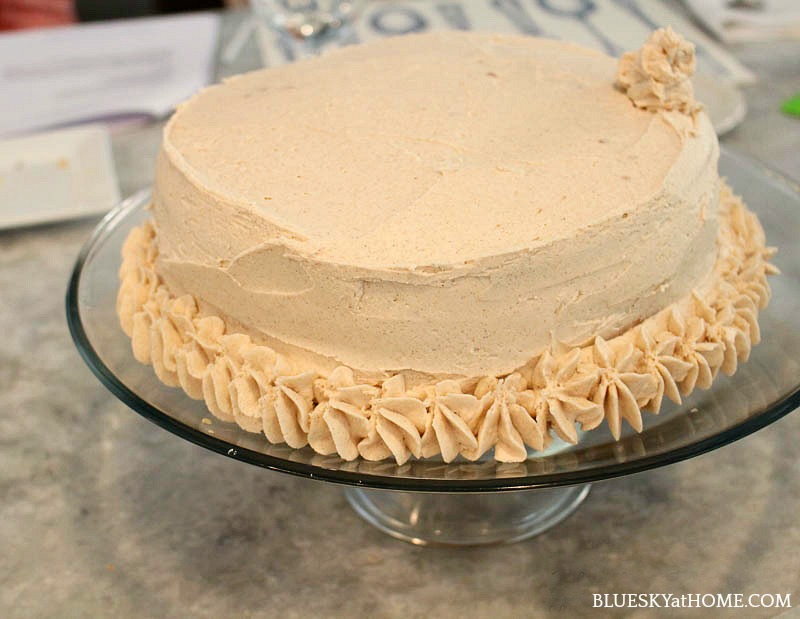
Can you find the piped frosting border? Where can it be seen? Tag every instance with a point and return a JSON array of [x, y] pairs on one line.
[[681, 348]]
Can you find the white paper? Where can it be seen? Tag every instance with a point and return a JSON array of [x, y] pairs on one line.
[[56, 175], [56, 76]]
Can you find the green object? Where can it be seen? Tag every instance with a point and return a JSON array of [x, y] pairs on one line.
[[792, 105]]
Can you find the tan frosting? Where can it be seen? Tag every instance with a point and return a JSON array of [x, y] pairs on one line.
[[671, 353], [347, 262], [657, 77], [337, 211]]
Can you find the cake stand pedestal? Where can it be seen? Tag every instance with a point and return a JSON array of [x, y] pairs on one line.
[[458, 519]]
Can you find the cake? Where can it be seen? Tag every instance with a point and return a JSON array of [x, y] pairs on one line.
[[447, 244]]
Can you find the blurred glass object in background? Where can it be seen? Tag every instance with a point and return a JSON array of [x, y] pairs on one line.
[[313, 22]]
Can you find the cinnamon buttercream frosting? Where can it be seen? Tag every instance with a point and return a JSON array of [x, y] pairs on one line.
[[373, 252], [414, 203], [657, 77]]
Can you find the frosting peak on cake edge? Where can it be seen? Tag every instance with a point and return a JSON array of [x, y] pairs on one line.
[[657, 78]]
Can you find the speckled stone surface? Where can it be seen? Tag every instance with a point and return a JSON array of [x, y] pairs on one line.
[[102, 514]]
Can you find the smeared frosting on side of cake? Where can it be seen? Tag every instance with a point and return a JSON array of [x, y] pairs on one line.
[[680, 348]]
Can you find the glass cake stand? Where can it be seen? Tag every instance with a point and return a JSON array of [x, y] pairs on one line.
[[429, 501]]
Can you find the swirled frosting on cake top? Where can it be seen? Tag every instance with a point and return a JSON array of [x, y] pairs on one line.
[[443, 204], [658, 78]]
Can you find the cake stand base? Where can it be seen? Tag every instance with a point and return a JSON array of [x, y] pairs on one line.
[[465, 519]]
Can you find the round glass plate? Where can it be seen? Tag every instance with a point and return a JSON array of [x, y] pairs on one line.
[[763, 390]]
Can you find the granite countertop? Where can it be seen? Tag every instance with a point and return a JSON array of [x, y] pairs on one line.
[[104, 514]]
